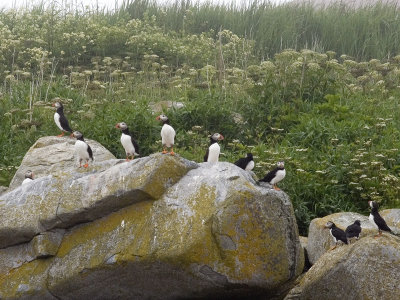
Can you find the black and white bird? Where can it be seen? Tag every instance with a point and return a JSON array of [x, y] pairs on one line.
[[353, 231], [276, 175], [246, 163], [82, 149], [337, 233], [60, 120], [212, 154], [127, 141], [28, 177], [167, 134], [376, 218]]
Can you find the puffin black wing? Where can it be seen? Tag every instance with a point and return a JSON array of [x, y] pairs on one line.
[[380, 222], [206, 155], [242, 162], [89, 150], [135, 145], [270, 175], [64, 123], [353, 230], [339, 234]]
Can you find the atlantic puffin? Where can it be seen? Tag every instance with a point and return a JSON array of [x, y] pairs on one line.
[[376, 218], [353, 231], [60, 120], [82, 149], [28, 177], [212, 154], [127, 141], [337, 233], [276, 175], [167, 134], [246, 163]]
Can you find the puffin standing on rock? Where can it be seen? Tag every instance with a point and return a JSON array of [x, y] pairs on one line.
[[376, 218], [212, 154], [353, 231], [167, 134], [127, 141], [82, 149], [60, 120], [28, 177], [276, 175], [246, 163], [337, 233]]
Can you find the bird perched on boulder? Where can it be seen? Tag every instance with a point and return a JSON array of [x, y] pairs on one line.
[[127, 141], [167, 134], [337, 233], [60, 120], [276, 175], [353, 231], [246, 163], [28, 177], [212, 154], [376, 218], [82, 149]]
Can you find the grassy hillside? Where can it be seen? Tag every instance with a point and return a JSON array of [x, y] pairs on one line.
[[332, 119]]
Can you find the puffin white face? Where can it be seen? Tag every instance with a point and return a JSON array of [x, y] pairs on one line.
[[77, 134], [373, 204], [217, 137], [29, 174], [329, 224], [162, 118], [121, 126], [280, 164], [57, 104]]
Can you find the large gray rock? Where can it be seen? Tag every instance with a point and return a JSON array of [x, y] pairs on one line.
[[392, 218], [72, 196], [213, 233], [367, 269], [51, 154], [319, 239]]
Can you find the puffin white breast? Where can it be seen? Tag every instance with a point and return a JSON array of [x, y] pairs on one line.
[[213, 153], [167, 135]]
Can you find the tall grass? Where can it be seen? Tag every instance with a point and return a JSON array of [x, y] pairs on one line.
[[365, 32]]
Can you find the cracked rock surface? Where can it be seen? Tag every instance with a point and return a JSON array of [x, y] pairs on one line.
[[158, 227]]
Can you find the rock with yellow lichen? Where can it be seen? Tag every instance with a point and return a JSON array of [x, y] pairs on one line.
[[50, 154], [203, 230], [74, 196], [320, 241], [366, 269]]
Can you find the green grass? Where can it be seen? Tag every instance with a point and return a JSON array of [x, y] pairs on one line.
[[332, 119]]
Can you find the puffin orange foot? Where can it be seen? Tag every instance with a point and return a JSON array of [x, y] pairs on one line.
[[60, 135], [164, 152], [86, 165], [172, 153], [276, 188]]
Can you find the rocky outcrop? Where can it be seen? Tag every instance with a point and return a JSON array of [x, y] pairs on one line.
[[319, 239], [392, 218], [159, 227], [367, 269], [51, 154]]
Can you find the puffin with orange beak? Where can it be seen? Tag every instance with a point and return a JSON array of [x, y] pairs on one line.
[[60, 120], [212, 154], [167, 134], [127, 141]]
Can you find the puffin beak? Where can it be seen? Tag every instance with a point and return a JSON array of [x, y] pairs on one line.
[[221, 137], [158, 118], [53, 105], [117, 125], [72, 135]]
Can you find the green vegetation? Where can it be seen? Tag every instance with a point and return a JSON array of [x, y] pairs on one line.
[[331, 118]]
